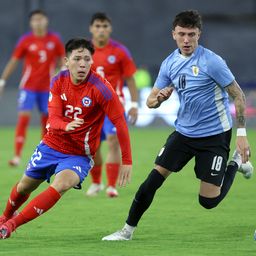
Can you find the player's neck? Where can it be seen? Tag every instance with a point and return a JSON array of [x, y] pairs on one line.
[[39, 33], [100, 44], [76, 81]]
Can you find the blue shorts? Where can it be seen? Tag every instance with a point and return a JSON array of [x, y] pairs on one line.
[[46, 161], [27, 100], [107, 129]]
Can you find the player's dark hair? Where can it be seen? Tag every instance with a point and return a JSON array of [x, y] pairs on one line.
[[76, 43], [102, 16], [37, 11], [188, 19]]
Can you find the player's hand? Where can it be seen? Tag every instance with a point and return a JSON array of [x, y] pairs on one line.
[[124, 176], [74, 124], [164, 94], [133, 115], [243, 148]]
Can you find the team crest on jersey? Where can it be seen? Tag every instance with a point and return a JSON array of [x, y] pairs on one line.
[[195, 70], [111, 59], [86, 101], [32, 47], [50, 45]]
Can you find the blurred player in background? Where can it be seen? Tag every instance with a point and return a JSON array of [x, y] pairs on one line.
[[203, 126], [42, 51], [79, 100], [113, 61]]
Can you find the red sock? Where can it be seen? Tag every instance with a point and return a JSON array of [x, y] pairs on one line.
[[37, 206], [112, 170], [44, 119], [14, 202], [96, 174], [20, 135]]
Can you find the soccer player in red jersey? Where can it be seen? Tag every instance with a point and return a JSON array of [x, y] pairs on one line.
[[42, 51], [79, 100], [113, 61]]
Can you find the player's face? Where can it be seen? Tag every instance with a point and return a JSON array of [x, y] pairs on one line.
[[101, 31], [79, 63], [186, 39], [38, 22]]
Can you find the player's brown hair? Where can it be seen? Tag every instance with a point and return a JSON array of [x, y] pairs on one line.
[[188, 19], [79, 42]]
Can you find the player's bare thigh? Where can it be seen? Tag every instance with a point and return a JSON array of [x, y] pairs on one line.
[[163, 171], [27, 185], [65, 180], [209, 190]]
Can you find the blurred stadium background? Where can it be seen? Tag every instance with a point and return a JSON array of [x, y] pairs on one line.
[[175, 224], [144, 26]]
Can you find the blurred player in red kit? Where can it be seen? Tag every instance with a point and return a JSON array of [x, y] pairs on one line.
[[113, 61], [79, 100], [42, 51]]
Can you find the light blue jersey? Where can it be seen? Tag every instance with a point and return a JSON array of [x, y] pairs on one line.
[[200, 81]]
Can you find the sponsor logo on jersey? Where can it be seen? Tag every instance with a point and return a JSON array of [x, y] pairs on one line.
[[86, 101], [111, 59], [32, 47], [50, 45], [63, 97], [195, 70]]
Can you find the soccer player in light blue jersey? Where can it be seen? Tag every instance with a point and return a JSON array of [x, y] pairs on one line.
[[203, 126]]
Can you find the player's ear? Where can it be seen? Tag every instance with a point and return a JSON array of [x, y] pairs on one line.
[[173, 35], [66, 61], [90, 29], [199, 34]]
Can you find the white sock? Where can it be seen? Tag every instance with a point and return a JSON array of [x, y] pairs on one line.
[[129, 228]]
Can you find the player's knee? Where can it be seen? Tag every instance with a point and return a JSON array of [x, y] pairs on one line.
[[113, 142], [62, 187], [208, 203], [150, 185]]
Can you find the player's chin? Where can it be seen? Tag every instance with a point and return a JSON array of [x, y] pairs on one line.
[[81, 77]]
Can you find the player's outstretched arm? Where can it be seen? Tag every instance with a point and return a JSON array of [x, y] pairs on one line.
[[133, 111], [157, 96], [8, 70], [236, 93], [125, 145]]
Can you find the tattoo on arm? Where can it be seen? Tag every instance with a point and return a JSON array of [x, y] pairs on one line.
[[238, 96]]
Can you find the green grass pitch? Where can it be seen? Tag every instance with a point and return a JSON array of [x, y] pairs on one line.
[[175, 224]]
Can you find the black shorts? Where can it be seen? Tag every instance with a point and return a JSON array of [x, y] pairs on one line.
[[211, 155]]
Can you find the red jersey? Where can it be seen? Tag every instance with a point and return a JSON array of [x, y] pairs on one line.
[[40, 57], [90, 101], [115, 63]]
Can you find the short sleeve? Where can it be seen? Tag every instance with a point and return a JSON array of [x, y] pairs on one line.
[[163, 79], [127, 63], [219, 71], [20, 48]]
